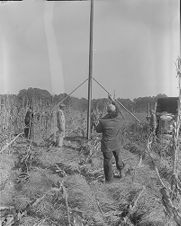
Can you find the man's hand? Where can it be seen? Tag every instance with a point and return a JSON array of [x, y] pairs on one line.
[[111, 99]]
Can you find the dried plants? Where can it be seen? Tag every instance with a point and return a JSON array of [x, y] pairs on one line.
[[65, 187]]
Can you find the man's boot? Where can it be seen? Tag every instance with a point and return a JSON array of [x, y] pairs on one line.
[[122, 173]]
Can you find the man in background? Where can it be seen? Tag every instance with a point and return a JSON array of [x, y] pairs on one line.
[[28, 123], [110, 127], [60, 126]]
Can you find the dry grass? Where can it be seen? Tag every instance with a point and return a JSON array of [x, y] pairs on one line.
[[49, 186]]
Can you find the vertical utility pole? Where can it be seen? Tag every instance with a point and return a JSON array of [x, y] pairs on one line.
[[179, 77], [180, 28], [90, 71], [180, 55]]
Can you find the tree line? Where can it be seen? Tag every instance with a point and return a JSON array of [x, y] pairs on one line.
[[36, 96]]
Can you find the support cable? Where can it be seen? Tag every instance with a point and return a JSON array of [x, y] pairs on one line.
[[117, 101], [109, 94], [70, 93]]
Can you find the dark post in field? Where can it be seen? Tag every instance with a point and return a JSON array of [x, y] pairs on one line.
[[90, 71]]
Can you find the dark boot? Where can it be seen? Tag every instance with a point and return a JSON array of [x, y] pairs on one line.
[[122, 173], [119, 163], [26, 132]]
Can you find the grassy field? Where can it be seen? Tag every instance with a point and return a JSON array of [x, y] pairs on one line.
[[43, 185]]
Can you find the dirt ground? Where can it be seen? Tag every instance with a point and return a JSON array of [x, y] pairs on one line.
[[44, 185]]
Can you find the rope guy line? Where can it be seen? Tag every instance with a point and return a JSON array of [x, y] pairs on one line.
[[68, 95], [117, 101]]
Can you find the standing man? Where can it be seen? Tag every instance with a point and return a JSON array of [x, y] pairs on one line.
[[60, 124], [153, 122], [28, 123], [110, 127]]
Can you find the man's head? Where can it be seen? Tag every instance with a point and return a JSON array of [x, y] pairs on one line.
[[61, 106], [111, 109]]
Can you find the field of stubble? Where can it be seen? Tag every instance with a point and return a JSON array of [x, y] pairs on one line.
[[42, 185]]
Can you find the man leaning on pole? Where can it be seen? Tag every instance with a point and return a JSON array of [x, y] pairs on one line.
[[110, 127]]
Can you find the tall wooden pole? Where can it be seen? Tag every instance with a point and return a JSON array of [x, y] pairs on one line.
[[180, 54], [90, 71], [180, 28]]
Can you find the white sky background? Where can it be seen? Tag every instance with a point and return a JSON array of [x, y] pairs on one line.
[[45, 45]]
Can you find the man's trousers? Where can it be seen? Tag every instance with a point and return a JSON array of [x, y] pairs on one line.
[[28, 132], [108, 163], [59, 138]]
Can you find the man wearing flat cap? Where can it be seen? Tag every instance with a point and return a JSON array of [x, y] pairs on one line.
[[60, 124], [110, 127]]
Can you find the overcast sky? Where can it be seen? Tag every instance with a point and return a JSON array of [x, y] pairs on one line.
[[46, 44]]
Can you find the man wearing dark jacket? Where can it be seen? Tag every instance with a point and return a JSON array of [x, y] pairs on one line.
[[28, 123], [110, 127]]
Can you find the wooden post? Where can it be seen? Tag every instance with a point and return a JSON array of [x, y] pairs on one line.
[[90, 71]]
